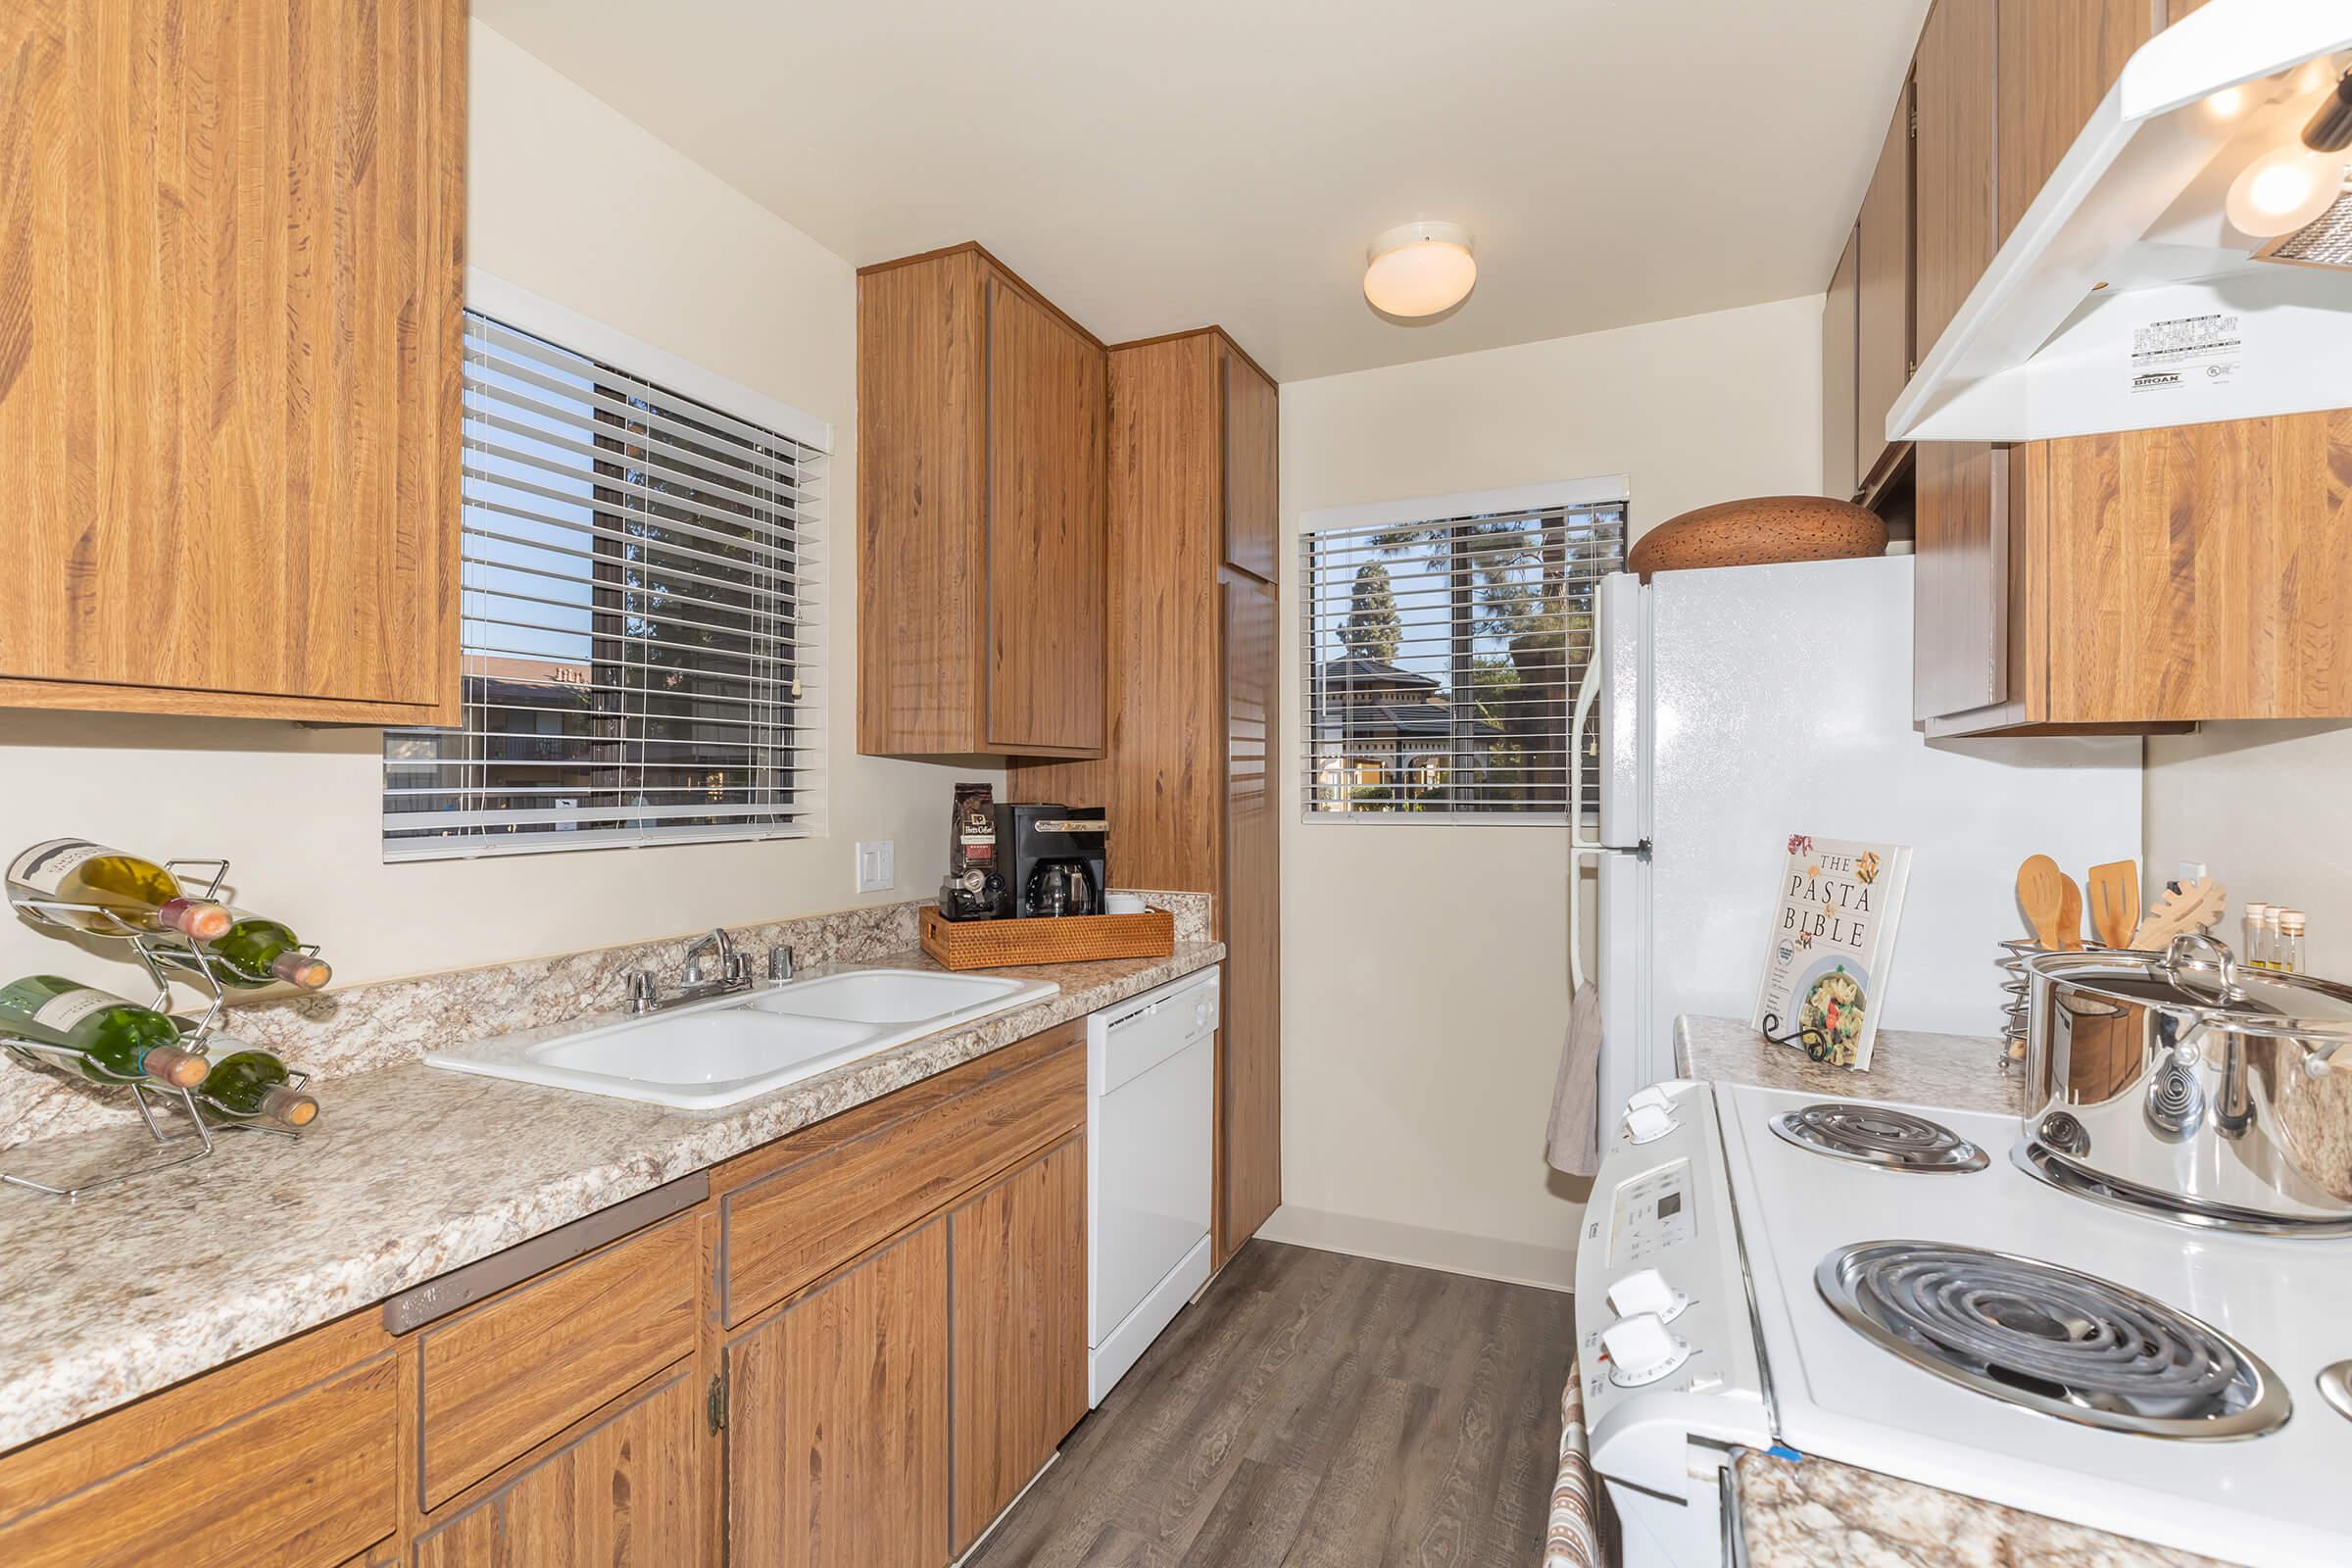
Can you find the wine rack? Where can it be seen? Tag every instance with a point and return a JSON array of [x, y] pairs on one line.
[[166, 956]]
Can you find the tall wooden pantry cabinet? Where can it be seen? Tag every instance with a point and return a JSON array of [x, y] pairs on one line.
[[1189, 777]]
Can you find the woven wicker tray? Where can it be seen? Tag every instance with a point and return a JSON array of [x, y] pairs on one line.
[[1072, 939]]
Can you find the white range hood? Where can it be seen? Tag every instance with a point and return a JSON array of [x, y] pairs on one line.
[[2125, 299]]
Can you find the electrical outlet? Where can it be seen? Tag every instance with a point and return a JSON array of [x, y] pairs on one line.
[[2192, 871], [877, 865]]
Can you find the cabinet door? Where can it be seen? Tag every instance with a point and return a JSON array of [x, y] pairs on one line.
[[171, 1479], [837, 1419], [1960, 581], [230, 357], [2174, 10], [1018, 1258], [1838, 392], [1047, 530], [620, 1495], [2056, 62], [1883, 294], [1252, 479], [2237, 616], [1250, 1045], [1957, 219]]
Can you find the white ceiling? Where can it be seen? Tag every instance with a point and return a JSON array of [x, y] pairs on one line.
[[1153, 165]]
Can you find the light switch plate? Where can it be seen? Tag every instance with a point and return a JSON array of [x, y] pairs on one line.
[[877, 865]]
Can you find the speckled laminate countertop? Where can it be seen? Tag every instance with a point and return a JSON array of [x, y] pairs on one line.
[[1817, 1513], [413, 1171], [1959, 1071]]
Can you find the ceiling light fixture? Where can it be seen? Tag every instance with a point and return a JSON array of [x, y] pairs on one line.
[[1419, 269]]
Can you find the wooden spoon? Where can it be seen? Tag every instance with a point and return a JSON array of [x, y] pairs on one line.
[[2197, 906], [2070, 914], [2115, 901], [2042, 894]]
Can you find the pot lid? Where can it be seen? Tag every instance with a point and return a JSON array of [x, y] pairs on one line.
[[2199, 974]]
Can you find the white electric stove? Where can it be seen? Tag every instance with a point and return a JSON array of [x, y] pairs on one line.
[[1883, 1286]]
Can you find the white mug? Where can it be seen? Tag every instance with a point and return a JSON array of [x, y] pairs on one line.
[[1123, 903]]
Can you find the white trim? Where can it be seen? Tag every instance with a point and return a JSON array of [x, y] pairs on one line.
[[1599, 491], [566, 327], [1386, 1240]]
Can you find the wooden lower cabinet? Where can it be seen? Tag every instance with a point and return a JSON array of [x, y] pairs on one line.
[[1017, 1266], [878, 1409], [837, 1419], [623, 1492], [281, 1460]]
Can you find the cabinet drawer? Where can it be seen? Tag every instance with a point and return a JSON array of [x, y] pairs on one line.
[[790, 1228], [520, 1367], [285, 1458]]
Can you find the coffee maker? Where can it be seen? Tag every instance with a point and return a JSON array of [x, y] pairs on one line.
[[1051, 857]]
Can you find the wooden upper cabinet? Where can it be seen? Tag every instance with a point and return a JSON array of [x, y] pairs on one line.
[[982, 529], [1960, 590], [1838, 321], [2174, 10], [1956, 227], [1252, 480], [230, 357], [2158, 578], [1882, 296], [2056, 62]]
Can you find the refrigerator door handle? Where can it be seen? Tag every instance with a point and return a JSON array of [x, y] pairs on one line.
[[1579, 847]]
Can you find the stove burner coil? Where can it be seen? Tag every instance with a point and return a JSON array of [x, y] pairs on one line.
[[1878, 1135], [2051, 1339]]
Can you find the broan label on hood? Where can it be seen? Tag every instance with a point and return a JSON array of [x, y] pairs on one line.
[[2187, 351]]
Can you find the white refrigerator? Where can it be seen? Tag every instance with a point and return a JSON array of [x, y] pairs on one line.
[[1737, 706]]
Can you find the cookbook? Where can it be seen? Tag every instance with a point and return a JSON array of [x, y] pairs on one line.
[[1833, 931]]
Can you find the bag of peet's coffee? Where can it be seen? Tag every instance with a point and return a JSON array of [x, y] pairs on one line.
[[972, 836]]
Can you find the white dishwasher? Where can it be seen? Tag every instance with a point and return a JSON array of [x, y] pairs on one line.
[[1150, 1069]]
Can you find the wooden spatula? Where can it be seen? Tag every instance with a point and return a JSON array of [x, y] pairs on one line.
[[2191, 908], [2070, 914], [2115, 901], [2041, 895]]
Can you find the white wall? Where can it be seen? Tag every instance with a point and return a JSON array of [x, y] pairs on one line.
[[2263, 805], [1424, 973], [575, 203]]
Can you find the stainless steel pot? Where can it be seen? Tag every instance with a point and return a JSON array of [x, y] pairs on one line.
[[2190, 1085]]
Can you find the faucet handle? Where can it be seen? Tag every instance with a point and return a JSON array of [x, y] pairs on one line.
[[779, 963], [644, 990], [738, 968]]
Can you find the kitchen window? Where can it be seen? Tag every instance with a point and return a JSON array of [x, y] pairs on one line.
[[639, 597], [1444, 643]]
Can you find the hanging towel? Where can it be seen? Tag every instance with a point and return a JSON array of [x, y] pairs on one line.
[[1571, 1534], [1574, 1143]]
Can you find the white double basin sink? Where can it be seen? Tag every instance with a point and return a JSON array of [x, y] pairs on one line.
[[705, 1055]]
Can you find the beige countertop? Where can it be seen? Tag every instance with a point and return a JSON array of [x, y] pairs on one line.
[[1961, 1072], [1817, 1513], [413, 1171]]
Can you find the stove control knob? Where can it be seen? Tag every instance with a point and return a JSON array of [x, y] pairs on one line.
[[1646, 1292], [1642, 1350], [1647, 1123]]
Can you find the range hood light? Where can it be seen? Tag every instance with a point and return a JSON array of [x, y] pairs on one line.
[[2283, 191]]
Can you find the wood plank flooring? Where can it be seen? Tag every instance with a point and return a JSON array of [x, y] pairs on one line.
[[1316, 1411]]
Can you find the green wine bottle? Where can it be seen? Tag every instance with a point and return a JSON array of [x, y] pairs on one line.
[[118, 1041], [256, 951], [253, 1083], [52, 877]]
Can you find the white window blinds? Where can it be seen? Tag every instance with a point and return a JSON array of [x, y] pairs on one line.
[[641, 630], [1441, 659]]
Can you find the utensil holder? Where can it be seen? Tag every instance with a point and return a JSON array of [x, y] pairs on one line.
[[190, 961]]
